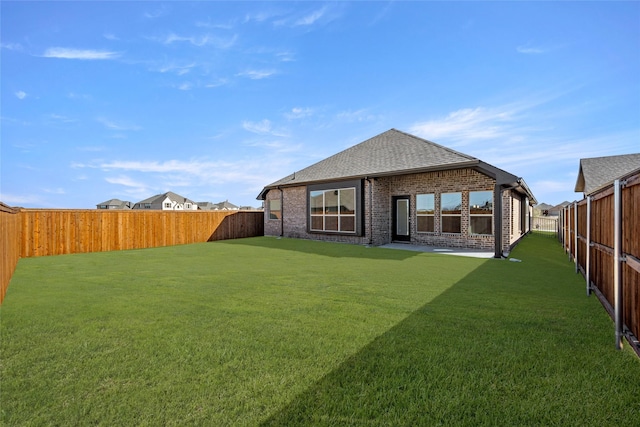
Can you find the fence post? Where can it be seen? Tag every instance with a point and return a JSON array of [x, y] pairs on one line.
[[575, 235], [587, 267], [561, 227], [617, 280]]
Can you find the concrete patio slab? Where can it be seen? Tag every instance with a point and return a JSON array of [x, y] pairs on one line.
[[440, 250]]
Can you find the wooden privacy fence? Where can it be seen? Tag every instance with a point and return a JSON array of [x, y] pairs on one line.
[[10, 243], [41, 232], [601, 234]]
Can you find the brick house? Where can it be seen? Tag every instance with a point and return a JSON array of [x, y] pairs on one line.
[[398, 187]]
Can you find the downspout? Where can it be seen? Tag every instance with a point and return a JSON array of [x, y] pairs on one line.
[[497, 219], [497, 216], [575, 235], [587, 271], [370, 211], [281, 212]]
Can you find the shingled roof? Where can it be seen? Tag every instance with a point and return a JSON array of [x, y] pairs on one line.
[[596, 172], [390, 153]]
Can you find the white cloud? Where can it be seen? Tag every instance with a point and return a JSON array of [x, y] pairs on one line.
[[54, 190], [110, 36], [311, 18], [126, 181], [285, 56], [20, 199], [298, 113], [91, 148], [157, 13], [178, 69], [199, 41], [61, 119], [73, 95], [467, 124], [276, 146], [21, 94], [83, 54], [217, 83], [11, 46], [362, 115], [109, 124], [263, 127], [528, 49], [257, 74], [185, 86]]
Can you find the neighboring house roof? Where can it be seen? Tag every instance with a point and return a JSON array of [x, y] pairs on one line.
[[559, 207], [119, 204], [391, 153], [206, 206], [596, 172], [543, 207], [226, 206], [158, 198]]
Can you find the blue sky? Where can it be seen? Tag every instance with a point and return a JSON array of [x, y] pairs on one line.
[[214, 100]]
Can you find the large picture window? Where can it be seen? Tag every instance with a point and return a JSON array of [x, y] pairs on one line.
[[333, 210], [481, 212], [451, 212], [425, 211]]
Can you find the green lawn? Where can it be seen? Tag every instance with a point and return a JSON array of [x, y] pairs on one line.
[[267, 331]]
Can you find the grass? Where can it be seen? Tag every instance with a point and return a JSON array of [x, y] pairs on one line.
[[266, 331]]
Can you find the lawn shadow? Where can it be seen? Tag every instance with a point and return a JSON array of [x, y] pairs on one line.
[[487, 351], [329, 249]]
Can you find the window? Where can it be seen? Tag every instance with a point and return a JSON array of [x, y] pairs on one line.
[[451, 211], [333, 210], [425, 210], [481, 212], [167, 205], [147, 205], [275, 211]]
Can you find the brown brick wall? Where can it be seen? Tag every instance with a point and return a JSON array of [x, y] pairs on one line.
[[377, 230], [461, 180]]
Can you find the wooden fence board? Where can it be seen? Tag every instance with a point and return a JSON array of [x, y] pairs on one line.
[[10, 243], [631, 298]]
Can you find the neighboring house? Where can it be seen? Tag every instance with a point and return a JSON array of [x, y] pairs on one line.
[[226, 206], [542, 209], [398, 187], [597, 172], [222, 206], [114, 204], [555, 211], [206, 206], [167, 202]]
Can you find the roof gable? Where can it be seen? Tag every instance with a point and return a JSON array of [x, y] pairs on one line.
[[392, 152], [596, 172]]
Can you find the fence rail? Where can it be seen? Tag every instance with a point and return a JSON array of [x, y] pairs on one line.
[[42, 232], [601, 235]]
